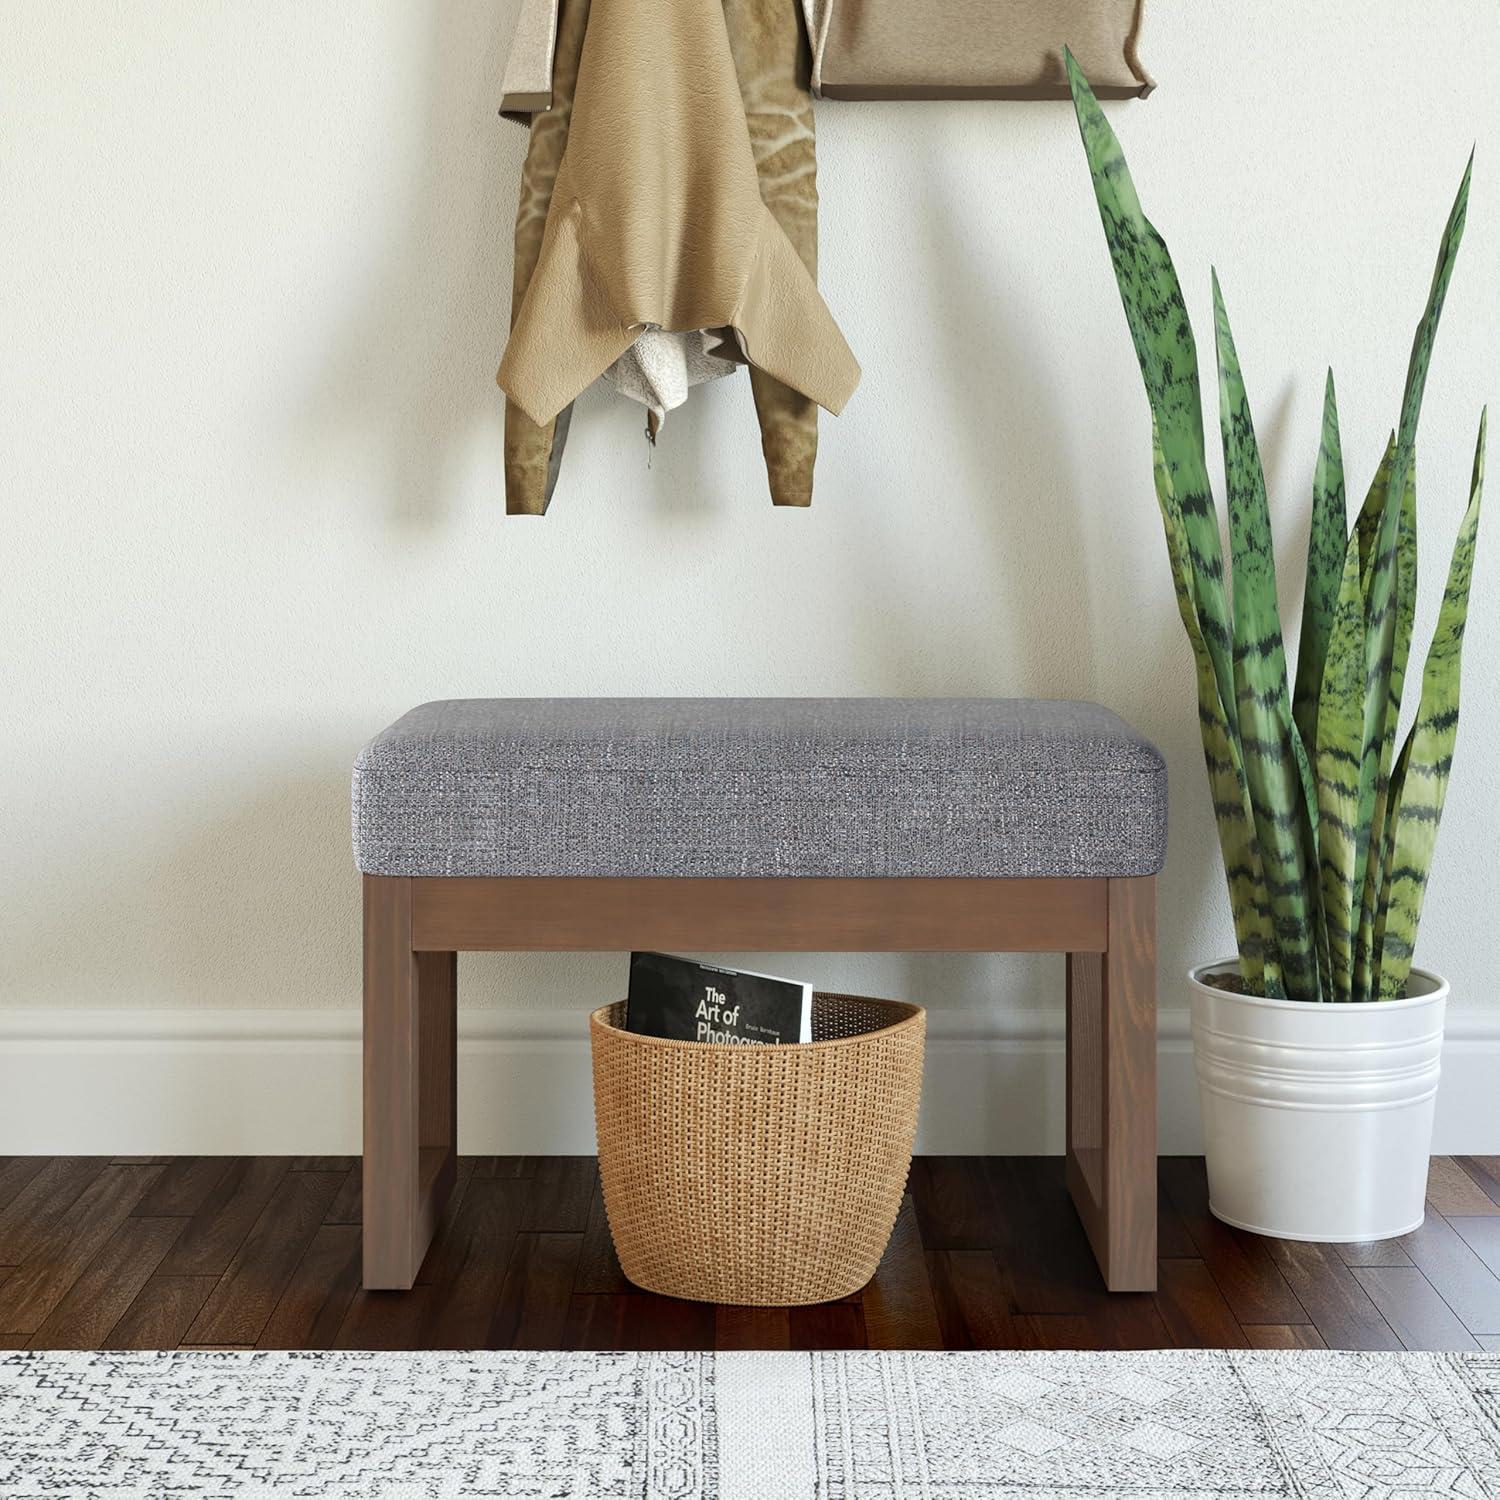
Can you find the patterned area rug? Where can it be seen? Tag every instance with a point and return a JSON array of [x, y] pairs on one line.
[[860, 1426]]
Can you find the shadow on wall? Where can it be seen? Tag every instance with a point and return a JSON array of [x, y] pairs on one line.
[[202, 906], [252, 904], [1006, 455], [413, 377]]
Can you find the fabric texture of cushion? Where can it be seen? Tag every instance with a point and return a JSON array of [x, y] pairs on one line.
[[766, 787]]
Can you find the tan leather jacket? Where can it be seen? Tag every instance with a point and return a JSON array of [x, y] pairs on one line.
[[656, 220]]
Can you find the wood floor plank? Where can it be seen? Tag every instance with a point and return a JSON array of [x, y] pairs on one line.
[[1241, 1264], [1041, 1244], [1058, 1331], [15, 1173], [1035, 1233], [386, 1320], [1407, 1302], [973, 1301], [161, 1313], [1172, 1238], [1045, 1252], [434, 1262], [827, 1325], [752, 1328], [598, 1323], [227, 1213], [561, 1192], [313, 1305], [349, 1206], [1338, 1305], [184, 1186], [40, 1282], [1373, 1253], [1193, 1308], [40, 1201], [955, 1205], [1462, 1279], [899, 1312], [468, 1273], [1283, 1336], [323, 1163], [598, 1266], [90, 1308], [638, 1320], [263, 1266], [1451, 1190], [535, 1298], [1481, 1233], [1133, 1321], [668, 1323], [505, 1166], [1485, 1170]]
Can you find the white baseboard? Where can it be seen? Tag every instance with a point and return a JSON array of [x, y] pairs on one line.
[[272, 1082]]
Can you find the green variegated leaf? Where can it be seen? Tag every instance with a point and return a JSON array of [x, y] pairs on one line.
[[1426, 334], [1378, 571], [1307, 774], [1168, 359], [1420, 783], [1375, 766], [1382, 592], [1367, 522], [1280, 801], [1366, 958], [1337, 763], [1259, 964], [1327, 538]]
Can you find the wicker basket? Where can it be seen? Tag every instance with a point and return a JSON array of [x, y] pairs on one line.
[[767, 1176]]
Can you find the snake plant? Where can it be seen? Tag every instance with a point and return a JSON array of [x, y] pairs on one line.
[[1327, 834]]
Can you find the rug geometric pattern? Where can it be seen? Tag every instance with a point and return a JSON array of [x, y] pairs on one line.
[[1153, 1425]]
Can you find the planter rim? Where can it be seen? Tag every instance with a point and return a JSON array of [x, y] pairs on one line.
[[1438, 991]]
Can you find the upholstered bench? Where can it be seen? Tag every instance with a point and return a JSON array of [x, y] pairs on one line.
[[842, 824]]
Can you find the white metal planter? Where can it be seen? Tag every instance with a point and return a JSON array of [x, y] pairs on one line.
[[1317, 1119]]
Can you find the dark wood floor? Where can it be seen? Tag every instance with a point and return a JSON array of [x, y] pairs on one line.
[[264, 1252]]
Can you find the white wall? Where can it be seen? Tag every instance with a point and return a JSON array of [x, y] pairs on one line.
[[253, 288]]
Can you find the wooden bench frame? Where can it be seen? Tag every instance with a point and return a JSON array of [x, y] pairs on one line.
[[414, 929]]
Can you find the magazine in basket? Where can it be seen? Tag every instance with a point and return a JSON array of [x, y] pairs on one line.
[[688, 1001]]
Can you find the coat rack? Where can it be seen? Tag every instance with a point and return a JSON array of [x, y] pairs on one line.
[[973, 49], [912, 49]]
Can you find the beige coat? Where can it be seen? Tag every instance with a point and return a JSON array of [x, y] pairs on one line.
[[656, 222]]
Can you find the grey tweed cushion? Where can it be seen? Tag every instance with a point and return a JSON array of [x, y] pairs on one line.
[[760, 787]]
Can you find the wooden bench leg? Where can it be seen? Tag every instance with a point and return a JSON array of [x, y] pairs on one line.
[[410, 1092], [1111, 1165]]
